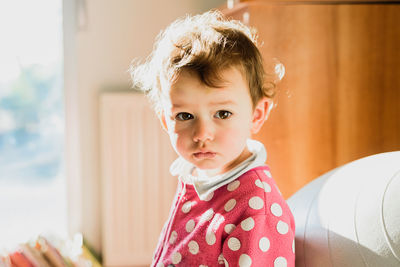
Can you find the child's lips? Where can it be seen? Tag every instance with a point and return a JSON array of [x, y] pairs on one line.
[[204, 155]]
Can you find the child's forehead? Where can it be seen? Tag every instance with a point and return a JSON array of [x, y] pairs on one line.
[[188, 88]]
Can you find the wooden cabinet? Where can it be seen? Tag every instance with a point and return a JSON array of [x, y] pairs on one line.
[[137, 189], [340, 98]]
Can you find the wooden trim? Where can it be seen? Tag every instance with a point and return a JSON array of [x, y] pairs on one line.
[[258, 2], [246, 4]]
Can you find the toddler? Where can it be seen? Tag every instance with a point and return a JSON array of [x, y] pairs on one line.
[[206, 80]]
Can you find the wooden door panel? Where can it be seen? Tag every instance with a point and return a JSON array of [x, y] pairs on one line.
[[340, 98]]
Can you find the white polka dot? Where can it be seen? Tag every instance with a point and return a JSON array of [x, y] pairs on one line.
[[226, 263], [268, 173], [264, 244], [221, 259], [234, 243], [244, 260], [282, 227], [190, 226], [229, 228], [259, 183], [247, 224], [193, 247], [186, 207], [176, 258], [276, 209], [293, 247], [267, 187], [233, 186], [256, 203], [280, 262], [263, 185], [173, 237], [201, 265], [209, 196], [206, 216], [160, 264], [210, 238], [230, 205]]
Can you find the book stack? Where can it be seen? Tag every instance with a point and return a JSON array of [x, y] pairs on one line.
[[43, 253]]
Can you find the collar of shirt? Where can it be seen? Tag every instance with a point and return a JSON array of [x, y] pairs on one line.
[[205, 185]]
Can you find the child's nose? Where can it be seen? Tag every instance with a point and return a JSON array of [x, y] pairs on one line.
[[203, 131]]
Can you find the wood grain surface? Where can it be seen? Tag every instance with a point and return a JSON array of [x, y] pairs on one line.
[[340, 97]]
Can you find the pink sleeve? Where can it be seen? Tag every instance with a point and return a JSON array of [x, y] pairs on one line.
[[261, 240]]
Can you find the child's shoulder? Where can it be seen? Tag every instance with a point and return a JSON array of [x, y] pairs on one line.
[[256, 188], [259, 177], [261, 172], [255, 194]]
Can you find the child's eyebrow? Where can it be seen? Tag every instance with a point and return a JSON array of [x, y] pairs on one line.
[[178, 105], [222, 103]]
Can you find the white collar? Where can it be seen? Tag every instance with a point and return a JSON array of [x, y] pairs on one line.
[[205, 185]]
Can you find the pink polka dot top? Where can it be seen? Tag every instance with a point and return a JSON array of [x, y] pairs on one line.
[[243, 223]]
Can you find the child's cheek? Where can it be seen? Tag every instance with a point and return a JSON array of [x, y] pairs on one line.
[[181, 141], [234, 139]]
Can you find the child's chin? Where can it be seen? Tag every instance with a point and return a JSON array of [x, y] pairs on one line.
[[206, 167], [210, 169]]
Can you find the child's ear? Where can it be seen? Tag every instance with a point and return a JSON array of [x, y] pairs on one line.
[[161, 117], [260, 114]]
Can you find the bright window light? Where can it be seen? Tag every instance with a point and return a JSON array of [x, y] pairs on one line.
[[32, 181]]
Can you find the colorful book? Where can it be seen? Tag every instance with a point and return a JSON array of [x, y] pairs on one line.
[[34, 256], [43, 253], [19, 260], [50, 253]]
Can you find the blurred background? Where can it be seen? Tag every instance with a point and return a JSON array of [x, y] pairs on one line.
[[99, 40], [81, 151], [32, 174]]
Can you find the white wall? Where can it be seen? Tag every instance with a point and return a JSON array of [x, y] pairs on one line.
[[101, 38]]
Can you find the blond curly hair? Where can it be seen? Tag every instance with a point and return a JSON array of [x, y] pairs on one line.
[[206, 44]]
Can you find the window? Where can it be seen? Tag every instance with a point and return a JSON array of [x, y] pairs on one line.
[[32, 182]]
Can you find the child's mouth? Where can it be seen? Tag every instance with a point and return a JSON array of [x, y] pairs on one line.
[[204, 155]]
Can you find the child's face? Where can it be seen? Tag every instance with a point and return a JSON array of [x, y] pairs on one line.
[[209, 126]]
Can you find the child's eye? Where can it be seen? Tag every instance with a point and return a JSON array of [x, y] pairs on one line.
[[223, 114], [183, 116]]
